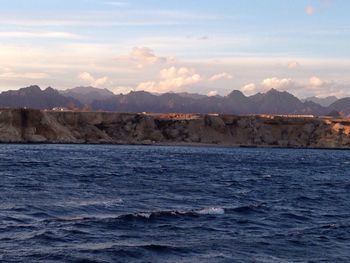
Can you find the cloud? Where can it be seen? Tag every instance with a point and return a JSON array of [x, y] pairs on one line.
[[323, 88], [212, 93], [143, 56], [293, 64], [171, 79], [23, 34], [249, 89], [92, 81], [267, 84], [276, 83], [220, 76], [310, 10], [314, 86], [316, 82], [122, 89]]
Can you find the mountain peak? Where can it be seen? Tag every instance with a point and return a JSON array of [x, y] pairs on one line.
[[326, 101], [88, 94], [31, 88], [50, 90], [236, 93], [274, 91]]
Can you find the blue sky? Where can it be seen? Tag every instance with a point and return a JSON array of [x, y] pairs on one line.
[[204, 46]]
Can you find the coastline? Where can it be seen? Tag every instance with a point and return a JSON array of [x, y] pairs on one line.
[[182, 145], [27, 126]]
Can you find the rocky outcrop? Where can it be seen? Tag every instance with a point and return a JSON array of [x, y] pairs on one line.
[[34, 126]]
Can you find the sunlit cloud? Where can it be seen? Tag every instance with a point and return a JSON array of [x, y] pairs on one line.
[[213, 93], [276, 83], [221, 76], [314, 86], [142, 56], [249, 89], [87, 78], [316, 82], [172, 79]]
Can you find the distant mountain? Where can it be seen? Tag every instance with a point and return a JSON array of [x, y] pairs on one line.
[[34, 97], [276, 102], [87, 95], [272, 102], [142, 101], [325, 102], [342, 106], [191, 95]]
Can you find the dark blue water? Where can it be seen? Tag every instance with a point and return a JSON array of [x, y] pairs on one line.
[[168, 204]]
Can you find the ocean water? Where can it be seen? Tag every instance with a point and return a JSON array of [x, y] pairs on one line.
[[62, 203]]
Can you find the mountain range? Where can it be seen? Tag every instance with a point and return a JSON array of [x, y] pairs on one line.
[[271, 102], [34, 97], [325, 102]]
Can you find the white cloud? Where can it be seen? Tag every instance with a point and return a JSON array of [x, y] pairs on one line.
[[171, 79], [323, 88], [316, 82], [143, 56], [91, 80], [267, 84], [314, 86], [220, 76], [122, 89], [249, 89], [276, 83], [212, 93]]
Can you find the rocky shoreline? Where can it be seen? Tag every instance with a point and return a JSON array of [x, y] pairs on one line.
[[35, 126]]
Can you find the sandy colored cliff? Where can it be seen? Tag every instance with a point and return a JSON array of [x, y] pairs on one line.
[[33, 126]]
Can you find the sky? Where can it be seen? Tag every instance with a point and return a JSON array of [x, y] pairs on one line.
[[198, 46]]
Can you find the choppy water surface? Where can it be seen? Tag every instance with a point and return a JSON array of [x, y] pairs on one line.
[[168, 204]]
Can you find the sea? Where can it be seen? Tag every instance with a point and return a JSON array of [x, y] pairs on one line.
[[104, 203]]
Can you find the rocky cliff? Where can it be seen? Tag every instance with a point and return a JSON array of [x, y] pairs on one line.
[[34, 126]]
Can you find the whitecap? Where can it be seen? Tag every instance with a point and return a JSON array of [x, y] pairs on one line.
[[144, 215], [211, 211]]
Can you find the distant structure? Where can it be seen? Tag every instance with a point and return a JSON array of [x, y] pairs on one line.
[[174, 116], [271, 116], [60, 109]]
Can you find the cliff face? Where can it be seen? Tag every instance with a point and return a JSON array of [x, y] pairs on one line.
[[33, 126]]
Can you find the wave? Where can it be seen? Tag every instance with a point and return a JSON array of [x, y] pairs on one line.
[[176, 213], [153, 215], [210, 211]]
